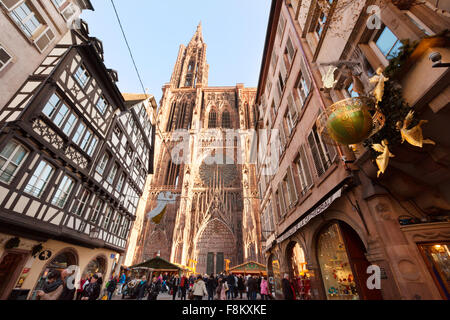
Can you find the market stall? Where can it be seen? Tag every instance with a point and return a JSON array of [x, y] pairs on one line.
[[160, 266], [249, 268]]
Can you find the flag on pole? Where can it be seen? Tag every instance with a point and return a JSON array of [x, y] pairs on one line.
[[164, 198]]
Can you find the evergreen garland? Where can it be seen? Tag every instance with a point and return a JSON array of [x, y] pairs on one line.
[[393, 105]]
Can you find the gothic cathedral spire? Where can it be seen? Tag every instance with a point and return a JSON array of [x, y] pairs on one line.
[[191, 69]]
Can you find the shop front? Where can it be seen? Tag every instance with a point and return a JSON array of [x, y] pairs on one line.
[[300, 275], [274, 276], [97, 265], [437, 258], [343, 264]]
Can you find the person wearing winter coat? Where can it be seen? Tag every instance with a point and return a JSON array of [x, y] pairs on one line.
[[153, 289], [142, 286], [221, 290], [199, 289], [288, 291], [264, 289], [53, 287], [241, 285], [252, 287], [92, 291], [83, 283], [211, 286], [174, 285], [111, 287], [68, 292], [122, 281], [231, 284], [184, 286]]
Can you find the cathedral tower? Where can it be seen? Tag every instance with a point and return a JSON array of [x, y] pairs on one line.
[[203, 158]]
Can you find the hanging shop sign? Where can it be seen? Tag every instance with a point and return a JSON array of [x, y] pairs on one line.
[[45, 255], [22, 278], [321, 208]]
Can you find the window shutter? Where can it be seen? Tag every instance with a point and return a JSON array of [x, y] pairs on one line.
[[283, 71], [44, 39], [292, 108], [290, 49], [10, 4], [305, 168], [292, 187], [306, 76], [315, 153], [5, 57]]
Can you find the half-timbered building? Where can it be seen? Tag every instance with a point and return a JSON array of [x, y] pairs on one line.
[[74, 157]]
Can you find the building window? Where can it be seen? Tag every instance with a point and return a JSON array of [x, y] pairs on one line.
[[273, 61], [11, 159], [281, 26], [57, 111], [102, 164], [107, 218], [226, 120], [97, 210], [63, 192], [117, 131], [290, 186], [303, 171], [25, 18], [82, 76], [388, 43], [323, 155], [92, 146], [289, 53], [79, 133], [352, 93], [101, 105], [113, 173], [320, 25], [292, 113], [40, 179], [5, 58], [120, 182], [302, 87], [82, 201], [125, 227], [116, 223], [212, 119]]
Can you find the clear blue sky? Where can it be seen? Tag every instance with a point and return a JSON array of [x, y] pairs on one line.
[[234, 31]]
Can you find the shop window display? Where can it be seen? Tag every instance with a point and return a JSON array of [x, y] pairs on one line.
[[96, 266], [300, 275], [437, 257], [334, 263], [274, 277]]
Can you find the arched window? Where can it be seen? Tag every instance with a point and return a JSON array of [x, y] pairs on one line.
[[212, 120], [226, 120]]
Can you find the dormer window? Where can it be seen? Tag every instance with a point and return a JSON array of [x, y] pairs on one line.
[[82, 76]]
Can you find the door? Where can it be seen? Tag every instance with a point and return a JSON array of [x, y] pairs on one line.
[[356, 253], [210, 263], [9, 269], [219, 262]]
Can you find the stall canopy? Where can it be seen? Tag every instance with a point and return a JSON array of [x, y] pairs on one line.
[[158, 264], [250, 267]]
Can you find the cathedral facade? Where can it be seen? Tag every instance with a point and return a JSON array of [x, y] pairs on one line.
[[204, 157]]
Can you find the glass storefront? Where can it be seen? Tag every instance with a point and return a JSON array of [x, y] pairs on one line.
[[337, 274], [299, 274], [274, 276], [60, 262], [437, 257], [98, 265]]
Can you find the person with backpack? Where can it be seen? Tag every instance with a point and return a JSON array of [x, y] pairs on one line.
[[184, 286]]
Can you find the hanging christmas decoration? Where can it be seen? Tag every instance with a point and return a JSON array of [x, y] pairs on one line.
[[379, 80], [383, 159], [413, 136]]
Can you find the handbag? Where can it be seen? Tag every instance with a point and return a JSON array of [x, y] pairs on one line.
[[171, 292], [191, 295]]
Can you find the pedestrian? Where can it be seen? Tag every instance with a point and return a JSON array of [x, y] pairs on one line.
[[241, 285], [68, 292], [252, 287], [111, 287], [231, 285], [222, 289], [83, 283], [53, 287], [264, 289], [211, 286], [92, 291], [199, 289], [153, 289], [141, 288], [288, 291], [122, 280], [175, 286]]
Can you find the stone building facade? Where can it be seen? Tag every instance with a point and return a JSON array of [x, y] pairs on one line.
[[203, 157], [326, 217]]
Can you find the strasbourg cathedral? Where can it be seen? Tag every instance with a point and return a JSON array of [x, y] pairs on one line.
[[214, 219]]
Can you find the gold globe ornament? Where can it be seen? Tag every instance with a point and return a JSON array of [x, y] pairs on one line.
[[350, 121]]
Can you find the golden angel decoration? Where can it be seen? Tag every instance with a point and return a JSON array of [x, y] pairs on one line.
[[383, 159], [413, 136], [379, 79]]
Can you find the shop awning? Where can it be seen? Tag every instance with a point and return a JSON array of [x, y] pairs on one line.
[[250, 267], [158, 264], [314, 213]]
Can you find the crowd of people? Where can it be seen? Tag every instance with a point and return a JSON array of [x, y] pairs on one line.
[[224, 286], [60, 286]]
